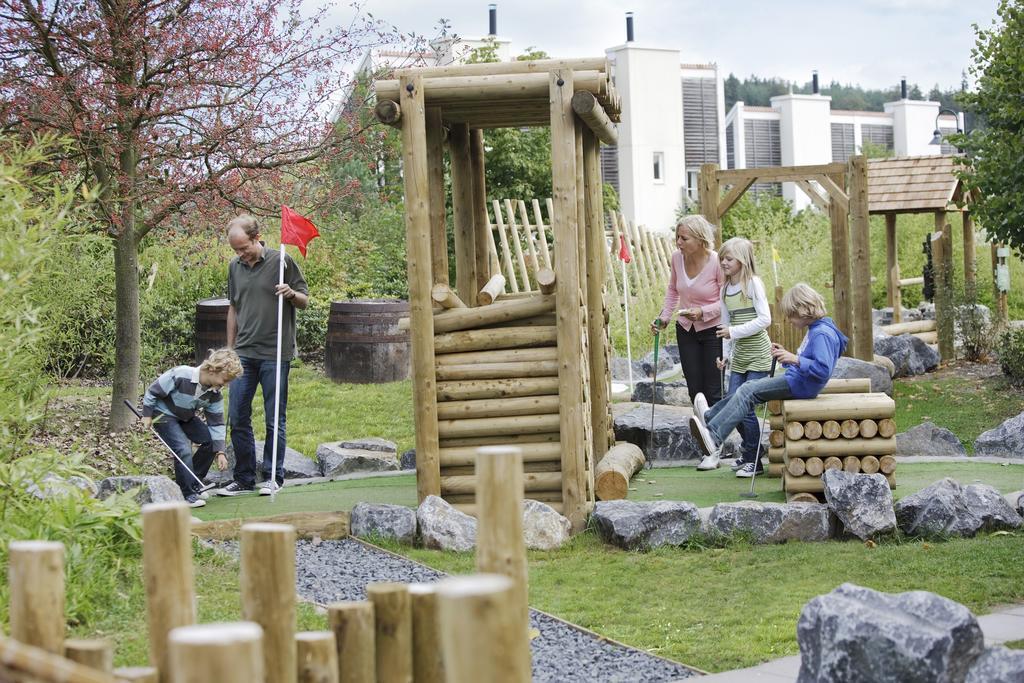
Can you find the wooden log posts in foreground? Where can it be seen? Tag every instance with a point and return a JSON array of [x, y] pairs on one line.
[[95, 653], [35, 576], [267, 578], [353, 626], [317, 657], [21, 662], [393, 630], [427, 664], [226, 653], [616, 468]]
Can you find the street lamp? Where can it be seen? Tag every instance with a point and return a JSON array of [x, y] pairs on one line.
[[937, 137]]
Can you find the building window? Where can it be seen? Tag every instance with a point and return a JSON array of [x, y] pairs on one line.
[[659, 167], [692, 178]]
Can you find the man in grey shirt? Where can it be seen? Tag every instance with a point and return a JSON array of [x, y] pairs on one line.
[[253, 292]]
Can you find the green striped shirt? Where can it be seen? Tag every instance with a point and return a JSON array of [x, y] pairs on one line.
[[748, 353]]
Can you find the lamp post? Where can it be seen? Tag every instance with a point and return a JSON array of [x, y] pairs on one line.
[[937, 137]]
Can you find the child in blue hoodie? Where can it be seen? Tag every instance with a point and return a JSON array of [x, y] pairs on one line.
[[807, 372]]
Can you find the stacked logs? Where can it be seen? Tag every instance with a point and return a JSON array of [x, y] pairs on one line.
[[846, 427]]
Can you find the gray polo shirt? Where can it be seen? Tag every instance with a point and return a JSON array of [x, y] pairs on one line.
[[251, 292]]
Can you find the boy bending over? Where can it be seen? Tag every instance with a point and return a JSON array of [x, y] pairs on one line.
[[807, 371]]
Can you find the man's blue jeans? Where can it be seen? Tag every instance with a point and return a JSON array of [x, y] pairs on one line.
[[255, 372], [180, 436], [750, 428], [724, 416]]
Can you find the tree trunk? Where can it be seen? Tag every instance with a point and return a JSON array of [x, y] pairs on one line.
[[128, 339]]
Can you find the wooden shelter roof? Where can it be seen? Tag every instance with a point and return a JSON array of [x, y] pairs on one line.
[[913, 184]]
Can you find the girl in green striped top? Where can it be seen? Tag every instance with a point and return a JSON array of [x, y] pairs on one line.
[[745, 320]]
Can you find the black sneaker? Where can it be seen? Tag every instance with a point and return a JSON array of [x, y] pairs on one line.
[[194, 501], [737, 464], [234, 489], [747, 471]]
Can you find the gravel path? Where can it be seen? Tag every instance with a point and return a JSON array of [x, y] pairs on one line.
[[340, 570]]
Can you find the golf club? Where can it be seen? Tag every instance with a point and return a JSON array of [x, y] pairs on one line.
[[202, 487], [654, 394], [760, 436]]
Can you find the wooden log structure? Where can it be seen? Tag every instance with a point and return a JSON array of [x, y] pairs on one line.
[[427, 663], [95, 653], [316, 655], [867, 428], [392, 612], [591, 112], [136, 674], [501, 338], [849, 429], [777, 438], [496, 388], [795, 467], [803, 497], [22, 662], [814, 466], [615, 469], [353, 626], [833, 463], [830, 429], [35, 577], [267, 565], [911, 327], [227, 653], [840, 407], [869, 464], [841, 447], [851, 464], [812, 430], [887, 464], [443, 294]]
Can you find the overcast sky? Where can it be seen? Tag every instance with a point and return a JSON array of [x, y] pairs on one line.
[[868, 42]]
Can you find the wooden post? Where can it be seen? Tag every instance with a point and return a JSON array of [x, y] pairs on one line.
[[136, 674], [35, 576], [567, 296], [352, 623], [892, 268], [581, 213], [542, 234], [524, 218], [942, 260], [600, 389], [506, 249], [317, 656], [462, 213], [860, 256], [267, 584], [435, 181], [168, 574], [517, 244], [482, 225], [842, 303], [95, 653], [970, 260], [393, 631], [226, 653], [481, 633], [709, 191], [22, 663], [418, 256], [427, 664]]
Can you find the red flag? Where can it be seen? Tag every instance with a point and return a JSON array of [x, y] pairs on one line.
[[296, 229], [624, 250]]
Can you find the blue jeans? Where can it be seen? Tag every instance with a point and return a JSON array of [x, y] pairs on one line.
[[180, 436], [260, 372], [727, 414], [750, 428]]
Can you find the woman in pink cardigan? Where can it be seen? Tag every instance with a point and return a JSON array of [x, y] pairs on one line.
[[695, 288]]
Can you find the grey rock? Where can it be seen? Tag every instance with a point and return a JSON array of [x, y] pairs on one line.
[[862, 502], [380, 520], [671, 350], [664, 362], [946, 508], [296, 465], [929, 439], [370, 443], [672, 441], [152, 489], [52, 485], [638, 526], [852, 368], [857, 634], [619, 368], [772, 522], [925, 311], [408, 460], [666, 393], [883, 316], [442, 527], [335, 460], [543, 527], [909, 354], [997, 665], [1006, 440]]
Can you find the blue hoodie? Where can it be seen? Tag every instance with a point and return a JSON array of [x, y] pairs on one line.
[[818, 354]]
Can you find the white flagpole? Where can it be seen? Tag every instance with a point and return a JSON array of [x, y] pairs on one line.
[[625, 303], [277, 382]]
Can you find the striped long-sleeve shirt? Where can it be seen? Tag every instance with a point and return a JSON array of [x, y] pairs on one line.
[[179, 394]]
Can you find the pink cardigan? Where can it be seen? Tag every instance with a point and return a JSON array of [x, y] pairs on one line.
[[705, 291]]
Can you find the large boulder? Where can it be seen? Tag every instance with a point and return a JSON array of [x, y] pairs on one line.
[[929, 439], [380, 520], [370, 443], [52, 486], [883, 316], [619, 368], [666, 393], [665, 362], [336, 460], [640, 526], [946, 508], [296, 465], [408, 460], [1006, 440], [772, 522], [151, 489], [997, 665], [910, 354], [543, 527], [853, 368], [858, 634], [862, 502], [672, 440], [442, 527]]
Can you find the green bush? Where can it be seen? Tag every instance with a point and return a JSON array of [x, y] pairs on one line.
[[1010, 347], [371, 252]]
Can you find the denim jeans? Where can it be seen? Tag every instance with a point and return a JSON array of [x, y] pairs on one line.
[[698, 352], [255, 372], [750, 428], [725, 416], [180, 436]]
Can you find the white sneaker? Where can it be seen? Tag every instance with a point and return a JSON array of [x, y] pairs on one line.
[[703, 437], [205, 495], [708, 462], [700, 408], [269, 488]]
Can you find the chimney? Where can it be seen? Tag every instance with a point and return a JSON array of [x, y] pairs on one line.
[[814, 82], [629, 27], [492, 12], [903, 88]]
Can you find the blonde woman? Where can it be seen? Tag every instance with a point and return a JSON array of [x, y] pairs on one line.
[[695, 287], [171, 406]]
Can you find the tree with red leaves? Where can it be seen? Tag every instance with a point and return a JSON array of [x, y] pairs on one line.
[[180, 112]]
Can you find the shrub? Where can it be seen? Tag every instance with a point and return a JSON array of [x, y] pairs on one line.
[[1010, 347]]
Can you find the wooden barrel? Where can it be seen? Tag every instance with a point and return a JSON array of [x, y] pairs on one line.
[[364, 344], [211, 326]]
